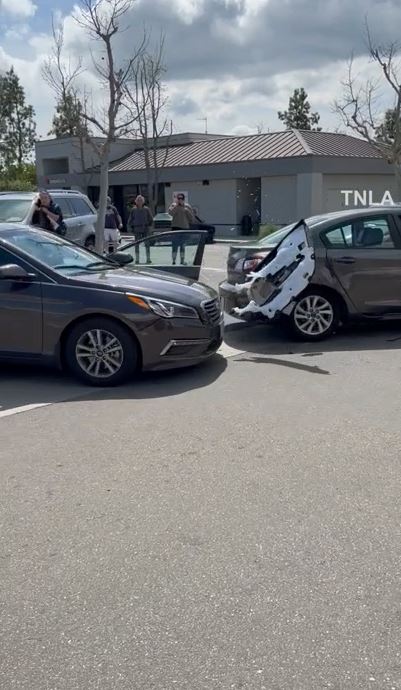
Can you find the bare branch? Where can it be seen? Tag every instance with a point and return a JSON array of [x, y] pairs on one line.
[[359, 106]]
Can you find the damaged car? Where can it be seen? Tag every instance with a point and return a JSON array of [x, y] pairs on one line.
[[320, 272]]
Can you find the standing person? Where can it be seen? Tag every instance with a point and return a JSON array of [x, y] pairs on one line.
[[112, 225], [47, 215], [140, 221], [183, 218]]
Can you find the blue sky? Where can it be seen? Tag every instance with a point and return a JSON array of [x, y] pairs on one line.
[[235, 62]]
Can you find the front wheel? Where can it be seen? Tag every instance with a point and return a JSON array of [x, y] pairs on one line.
[[101, 352], [314, 317]]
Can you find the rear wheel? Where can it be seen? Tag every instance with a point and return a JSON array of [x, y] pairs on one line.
[[315, 316], [101, 352]]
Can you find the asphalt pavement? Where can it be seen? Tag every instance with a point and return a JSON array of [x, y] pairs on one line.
[[237, 525]]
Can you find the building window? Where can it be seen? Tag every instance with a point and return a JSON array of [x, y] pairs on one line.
[[56, 166]]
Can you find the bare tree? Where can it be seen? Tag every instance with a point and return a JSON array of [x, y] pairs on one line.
[[60, 74], [146, 102], [101, 20], [359, 106]]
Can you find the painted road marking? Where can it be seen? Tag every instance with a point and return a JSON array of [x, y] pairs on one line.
[[227, 351], [23, 408]]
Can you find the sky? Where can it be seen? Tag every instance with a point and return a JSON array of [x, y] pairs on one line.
[[234, 62]]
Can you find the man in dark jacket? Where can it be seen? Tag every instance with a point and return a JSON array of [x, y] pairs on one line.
[[47, 215], [112, 227]]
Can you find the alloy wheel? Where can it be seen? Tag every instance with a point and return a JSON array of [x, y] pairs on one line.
[[313, 315], [99, 353]]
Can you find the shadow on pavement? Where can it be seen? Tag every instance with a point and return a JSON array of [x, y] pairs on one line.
[[265, 339], [23, 385]]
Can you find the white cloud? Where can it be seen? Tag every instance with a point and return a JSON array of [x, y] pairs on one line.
[[186, 10], [18, 8], [235, 62], [17, 32]]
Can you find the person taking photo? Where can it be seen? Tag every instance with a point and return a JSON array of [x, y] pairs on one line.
[[47, 215], [182, 219]]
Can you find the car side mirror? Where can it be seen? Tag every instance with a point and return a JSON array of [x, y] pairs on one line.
[[121, 258], [14, 272]]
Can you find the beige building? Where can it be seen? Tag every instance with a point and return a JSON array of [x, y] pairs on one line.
[[277, 177]]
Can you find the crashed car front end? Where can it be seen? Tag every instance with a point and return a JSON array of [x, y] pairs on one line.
[[283, 275]]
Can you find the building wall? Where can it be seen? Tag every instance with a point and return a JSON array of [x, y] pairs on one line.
[[371, 189], [216, 202], [52, 154], [248, 198], [278, 199]]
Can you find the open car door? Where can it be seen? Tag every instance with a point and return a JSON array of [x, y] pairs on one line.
[[178, 252]]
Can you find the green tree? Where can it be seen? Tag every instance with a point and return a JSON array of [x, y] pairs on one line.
[[388, 132], [69, 119], [298, 115], [17, 125], [18, 178]]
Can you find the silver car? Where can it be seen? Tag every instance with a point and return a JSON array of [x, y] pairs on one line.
[[78, 212]]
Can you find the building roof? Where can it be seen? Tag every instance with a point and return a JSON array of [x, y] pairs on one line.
[[274, 145]]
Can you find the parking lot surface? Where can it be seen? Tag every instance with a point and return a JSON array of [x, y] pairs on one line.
[[236, 525]]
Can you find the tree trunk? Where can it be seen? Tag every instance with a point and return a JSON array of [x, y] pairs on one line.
[[397, 174], [104, 188]]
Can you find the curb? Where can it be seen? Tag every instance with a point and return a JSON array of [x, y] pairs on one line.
[[231, 240]]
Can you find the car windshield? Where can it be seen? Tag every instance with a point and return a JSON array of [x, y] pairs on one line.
[[14, 210], [56, 253]]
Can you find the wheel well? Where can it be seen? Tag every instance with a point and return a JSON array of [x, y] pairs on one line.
[[67, 330], [90, 238], [332, 293]]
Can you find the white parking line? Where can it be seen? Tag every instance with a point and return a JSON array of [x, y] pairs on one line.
[[227, 351], [23, 408]]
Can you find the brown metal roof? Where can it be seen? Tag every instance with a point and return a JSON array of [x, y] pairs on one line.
[[342, 145], [286, 144]]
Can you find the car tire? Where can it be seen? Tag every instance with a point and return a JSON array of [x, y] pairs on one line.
[[316, 316], [90, 243], [101, 352]]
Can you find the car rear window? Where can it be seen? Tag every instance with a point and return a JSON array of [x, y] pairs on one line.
[[14, 210], [276, 237]]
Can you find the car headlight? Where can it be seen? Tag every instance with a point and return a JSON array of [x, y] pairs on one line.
[[163, 308]]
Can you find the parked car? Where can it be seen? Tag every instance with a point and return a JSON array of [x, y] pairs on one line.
[[78, 212], [356, 275], [201, 225], [64, 304]]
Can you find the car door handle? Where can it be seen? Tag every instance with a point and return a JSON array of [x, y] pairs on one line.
[[345, 260]]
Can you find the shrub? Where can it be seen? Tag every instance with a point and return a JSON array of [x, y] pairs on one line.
[[266, 230]]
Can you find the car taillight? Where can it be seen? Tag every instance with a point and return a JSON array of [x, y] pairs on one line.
[[248, 265]]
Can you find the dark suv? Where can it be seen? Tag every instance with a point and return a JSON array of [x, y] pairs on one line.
[[78, 212], [353, 271]]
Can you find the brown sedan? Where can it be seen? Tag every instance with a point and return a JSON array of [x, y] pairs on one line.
[[63, 304], [352, 271]]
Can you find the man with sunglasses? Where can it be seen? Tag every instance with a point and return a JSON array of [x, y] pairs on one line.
[[183, 218]]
